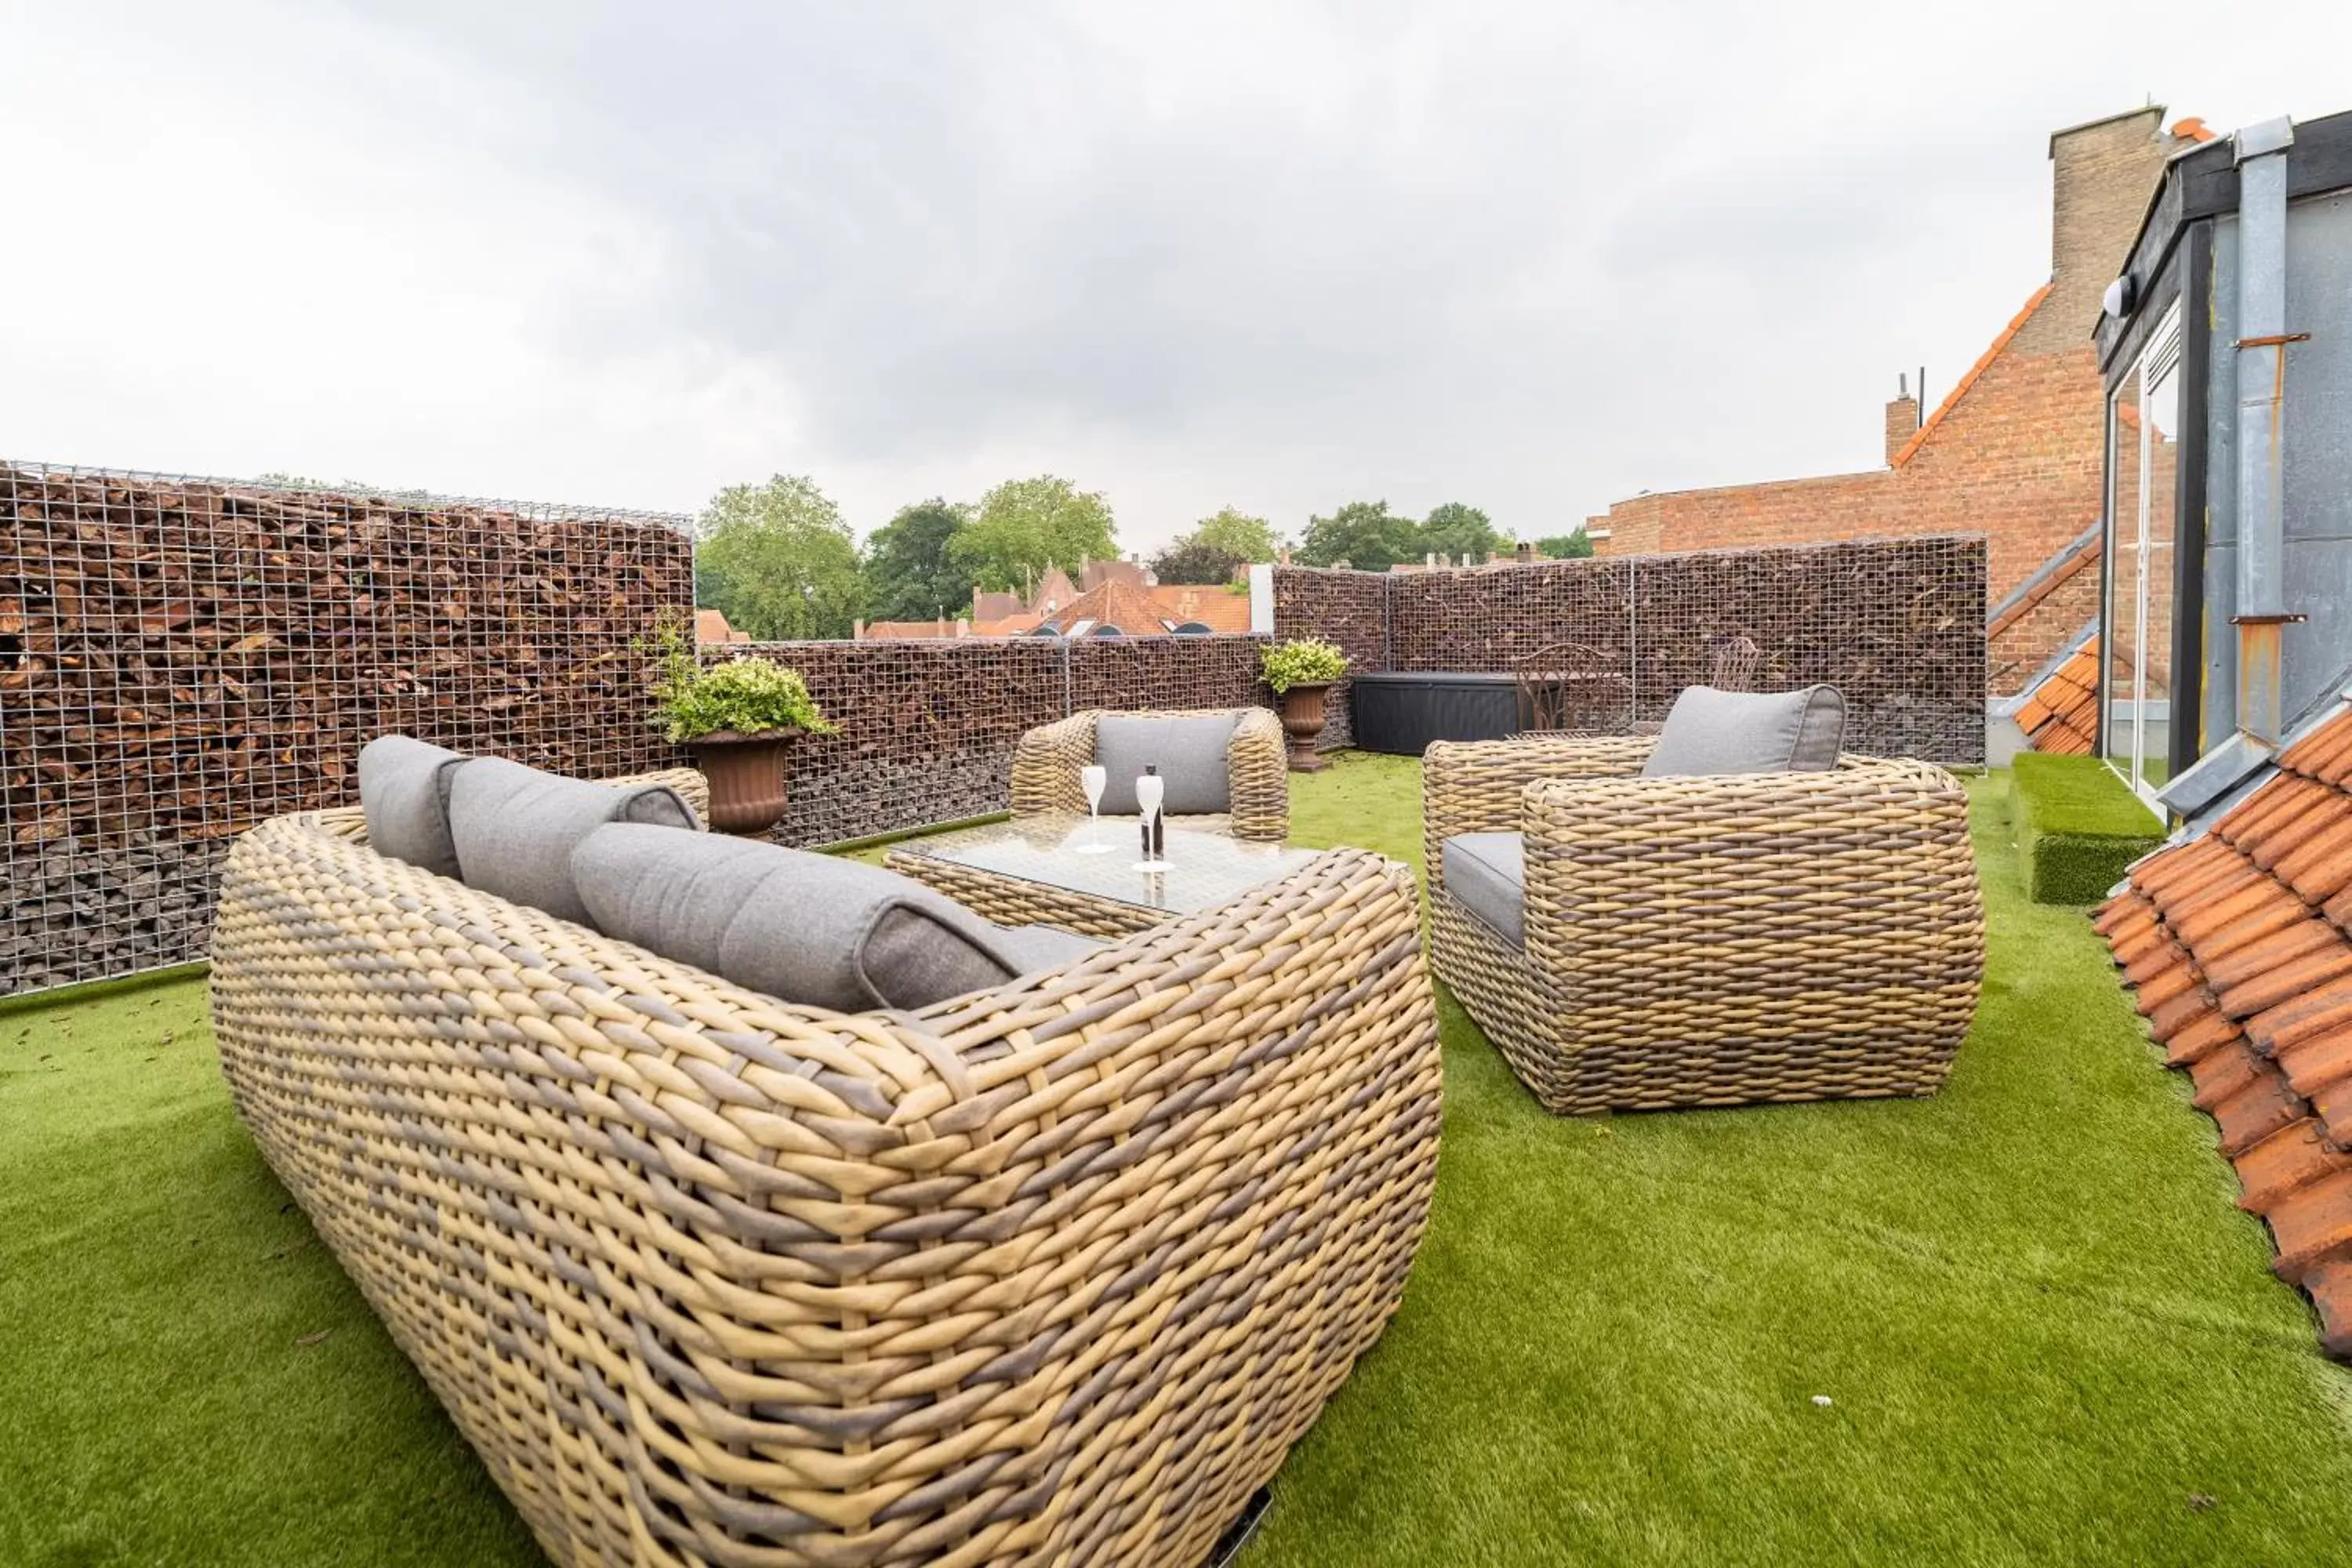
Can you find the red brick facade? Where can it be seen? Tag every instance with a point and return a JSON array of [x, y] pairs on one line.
[[2013, 452]]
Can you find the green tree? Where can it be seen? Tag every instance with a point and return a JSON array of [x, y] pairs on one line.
[[1024, 526], [1573, 546], [1217, 546], [1463, 532], [1363, 533], [779, 560], [1193, 559], [1238, 534], [912, 573]]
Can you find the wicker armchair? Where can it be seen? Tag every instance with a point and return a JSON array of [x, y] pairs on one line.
[[1710, 940], [1046, 762], [1055, 1273]]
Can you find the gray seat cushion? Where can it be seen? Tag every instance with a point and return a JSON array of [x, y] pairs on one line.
[[1191, 753], [1487, 874], [405, 795], [1711, 731], [1039, 948], [515, 828], [813, 929]]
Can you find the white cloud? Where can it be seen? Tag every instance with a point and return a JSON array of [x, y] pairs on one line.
[[1531, 256]]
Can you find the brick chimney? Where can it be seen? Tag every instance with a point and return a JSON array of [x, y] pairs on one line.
[[2101, 176], [1902, 417]]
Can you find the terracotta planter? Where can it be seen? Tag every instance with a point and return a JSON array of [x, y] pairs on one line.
[[747, 777], [1302, 720]]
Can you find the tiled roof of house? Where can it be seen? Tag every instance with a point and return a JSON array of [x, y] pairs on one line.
[[1115, 603], [1960, 388], [1213, 605], [2240, 945], [2061, 714], [711, 627], [887, 629]]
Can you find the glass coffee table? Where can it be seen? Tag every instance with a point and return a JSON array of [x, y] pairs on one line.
[[1034, 870]]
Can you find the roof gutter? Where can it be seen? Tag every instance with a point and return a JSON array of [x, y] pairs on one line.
[[2263, 616], [2262, 398]]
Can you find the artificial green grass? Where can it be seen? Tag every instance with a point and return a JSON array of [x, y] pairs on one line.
[[2046, 1334], [2077, 827]]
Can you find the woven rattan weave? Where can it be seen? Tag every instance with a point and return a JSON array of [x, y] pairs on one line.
[[1029, 871], [1046, 762], [1051, 1274], [1711, 941]]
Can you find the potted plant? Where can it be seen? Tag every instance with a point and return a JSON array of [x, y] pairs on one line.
[[740, 716], [1301, 671]]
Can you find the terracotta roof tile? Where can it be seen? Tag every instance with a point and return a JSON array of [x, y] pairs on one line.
[[2121, 909], [2221, 1074], [2324, 754], [2317, 1062], [2060, 715], [2255, 909], [2331, 1103], [2240, 945], [2290, 959], [2161, 995], [2313, 1224], [2299, 984], [2188, 1010], [2209, 1031], [2262, 1106], [2304, 1015], [2288, 1160], [2330, 1285]]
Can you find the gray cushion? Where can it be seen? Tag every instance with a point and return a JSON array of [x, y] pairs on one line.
[[1191, 753], [405, 793], [1039, 948], [813, 929], [516, 828], [1487, 874], [1711, 731]]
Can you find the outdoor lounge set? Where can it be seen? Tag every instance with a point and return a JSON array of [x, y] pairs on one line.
[[745, 1206]]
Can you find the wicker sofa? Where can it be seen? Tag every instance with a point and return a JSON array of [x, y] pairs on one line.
[[1710, 941], [1045, 766], [1054, 1273]]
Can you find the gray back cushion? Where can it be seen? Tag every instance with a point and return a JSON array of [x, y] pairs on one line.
[[1190, 752], [405, 793], [1711, 731], [813, 929], [515, 828]]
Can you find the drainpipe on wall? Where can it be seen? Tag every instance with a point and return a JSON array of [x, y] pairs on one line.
[[2262, 395]]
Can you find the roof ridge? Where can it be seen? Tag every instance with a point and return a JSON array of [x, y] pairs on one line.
[[1960, 388]]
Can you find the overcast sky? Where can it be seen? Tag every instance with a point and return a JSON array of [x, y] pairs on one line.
[[1532, 256]]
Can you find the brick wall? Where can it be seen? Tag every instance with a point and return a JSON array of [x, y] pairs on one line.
[[2014, 453]]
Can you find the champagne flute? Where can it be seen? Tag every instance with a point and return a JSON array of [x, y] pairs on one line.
[[1150, 790], [1095, 779]]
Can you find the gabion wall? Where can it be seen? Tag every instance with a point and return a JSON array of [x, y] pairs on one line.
[[181, 658], [927, 727], [1897, 624], [1350, 608]]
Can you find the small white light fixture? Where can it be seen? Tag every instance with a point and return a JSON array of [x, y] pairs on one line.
[[2121, 296]]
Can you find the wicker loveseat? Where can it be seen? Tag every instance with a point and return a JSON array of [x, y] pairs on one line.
[[1710, 941], [1046, 762], [1054, 1273]]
